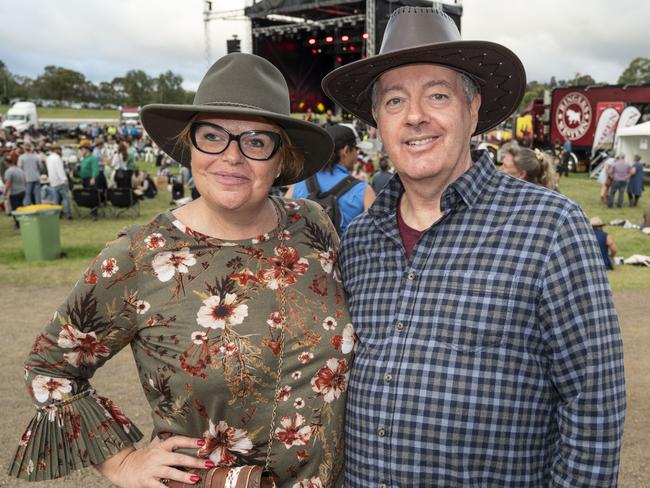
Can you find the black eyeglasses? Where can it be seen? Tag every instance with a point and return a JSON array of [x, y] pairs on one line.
[[259, 145]]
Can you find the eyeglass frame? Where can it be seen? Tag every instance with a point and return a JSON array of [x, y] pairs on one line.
[[277, 137]]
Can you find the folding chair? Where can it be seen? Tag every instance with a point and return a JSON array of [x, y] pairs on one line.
[[123, 200], [89, 198]]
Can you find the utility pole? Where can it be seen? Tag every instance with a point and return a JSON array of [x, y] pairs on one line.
[[209, 14], [370, 27]]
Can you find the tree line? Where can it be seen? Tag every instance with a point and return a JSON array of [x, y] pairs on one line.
[[138, 88], [637, 72], [62, 84]]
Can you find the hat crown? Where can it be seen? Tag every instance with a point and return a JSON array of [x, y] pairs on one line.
[[418, 26], [244, 80]]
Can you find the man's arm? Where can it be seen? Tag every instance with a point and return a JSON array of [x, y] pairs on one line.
[[612, 247], [584, 354]]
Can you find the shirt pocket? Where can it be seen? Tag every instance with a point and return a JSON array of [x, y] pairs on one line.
[[474, 310]]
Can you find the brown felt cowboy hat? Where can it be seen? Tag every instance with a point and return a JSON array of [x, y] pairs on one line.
[[239, 84], [427, 35]]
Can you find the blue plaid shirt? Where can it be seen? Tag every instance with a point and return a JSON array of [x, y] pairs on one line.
[[493, 356]]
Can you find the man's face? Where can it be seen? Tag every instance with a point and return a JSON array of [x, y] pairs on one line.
[[425, 121]]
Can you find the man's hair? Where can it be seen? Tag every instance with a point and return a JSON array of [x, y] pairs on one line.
[[470, 90]]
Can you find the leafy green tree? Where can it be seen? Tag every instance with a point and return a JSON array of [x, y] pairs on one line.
[[534, 90], [581, 79], [637, 72], [169, 88], [58, 83], [138, 87]]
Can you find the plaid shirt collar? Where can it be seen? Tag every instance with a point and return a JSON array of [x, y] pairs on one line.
[[464, 191]]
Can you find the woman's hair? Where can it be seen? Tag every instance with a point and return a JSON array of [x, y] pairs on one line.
[[292, 158], [123, 149], [538, 166]]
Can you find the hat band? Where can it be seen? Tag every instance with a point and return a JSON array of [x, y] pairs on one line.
[[235, 104]]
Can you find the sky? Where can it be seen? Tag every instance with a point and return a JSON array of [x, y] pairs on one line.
[[105, 39]]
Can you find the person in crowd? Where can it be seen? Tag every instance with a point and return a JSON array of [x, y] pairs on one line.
[[58, 180], [359, 171], [606, 244], [567, 149], [15, 185], [358, 198], [489, 348], [122, 175], [381, 177], [89, 166], [636, 183], [646, 216], [231, 304], [30, 163], [529, 165], [620, 174], [605, 180], [47, 195], [329, 118]]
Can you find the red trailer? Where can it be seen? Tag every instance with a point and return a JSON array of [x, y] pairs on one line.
[[573, 113]]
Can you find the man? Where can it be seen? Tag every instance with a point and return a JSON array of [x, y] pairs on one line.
[[567, 149], [89, 166], [15, 186], [58, 179], [358, 198], [489, 351], [620, 174], [381, 177], [30, 163], [606, 244]]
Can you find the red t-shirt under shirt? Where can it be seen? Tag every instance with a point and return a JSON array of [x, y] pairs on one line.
[[409, 236]]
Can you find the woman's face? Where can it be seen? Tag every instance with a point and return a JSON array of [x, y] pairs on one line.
[[230, 180]]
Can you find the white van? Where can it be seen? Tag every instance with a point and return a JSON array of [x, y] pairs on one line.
[[21, 116]]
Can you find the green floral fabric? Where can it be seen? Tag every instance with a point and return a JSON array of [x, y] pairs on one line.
[[203, 319]]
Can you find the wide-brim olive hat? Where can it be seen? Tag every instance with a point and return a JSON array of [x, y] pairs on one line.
[[239, 84], [416, 35]]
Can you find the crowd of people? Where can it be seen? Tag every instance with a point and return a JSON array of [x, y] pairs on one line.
[[35, 168]]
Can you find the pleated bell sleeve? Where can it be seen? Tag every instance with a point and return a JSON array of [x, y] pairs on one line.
[[73, 426]]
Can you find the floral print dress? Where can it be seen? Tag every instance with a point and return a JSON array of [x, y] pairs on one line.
[[203, 319]]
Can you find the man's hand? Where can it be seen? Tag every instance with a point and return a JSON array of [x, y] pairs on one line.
[[146, 467]]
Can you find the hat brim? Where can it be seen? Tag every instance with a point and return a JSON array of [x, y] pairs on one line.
[[163, 123], [497, 70]]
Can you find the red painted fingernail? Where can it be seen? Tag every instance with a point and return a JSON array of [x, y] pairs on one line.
[[194, 478], [209, 464], [200, 442]]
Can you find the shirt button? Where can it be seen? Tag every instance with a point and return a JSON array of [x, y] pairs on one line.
[[411, 275], [381, 432], [383, 485], [388, 377], [400, 326]]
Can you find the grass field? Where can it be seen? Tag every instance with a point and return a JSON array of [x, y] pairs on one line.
[[70, 113], [82, 239]]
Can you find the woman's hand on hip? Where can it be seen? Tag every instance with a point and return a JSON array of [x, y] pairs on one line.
[[146, 467]]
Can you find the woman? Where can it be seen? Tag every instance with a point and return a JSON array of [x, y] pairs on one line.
[[210, 297], [122, 176], [530, 165], [635, 185]]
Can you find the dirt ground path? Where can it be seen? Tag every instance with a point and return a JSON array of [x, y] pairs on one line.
[[26, 309]]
